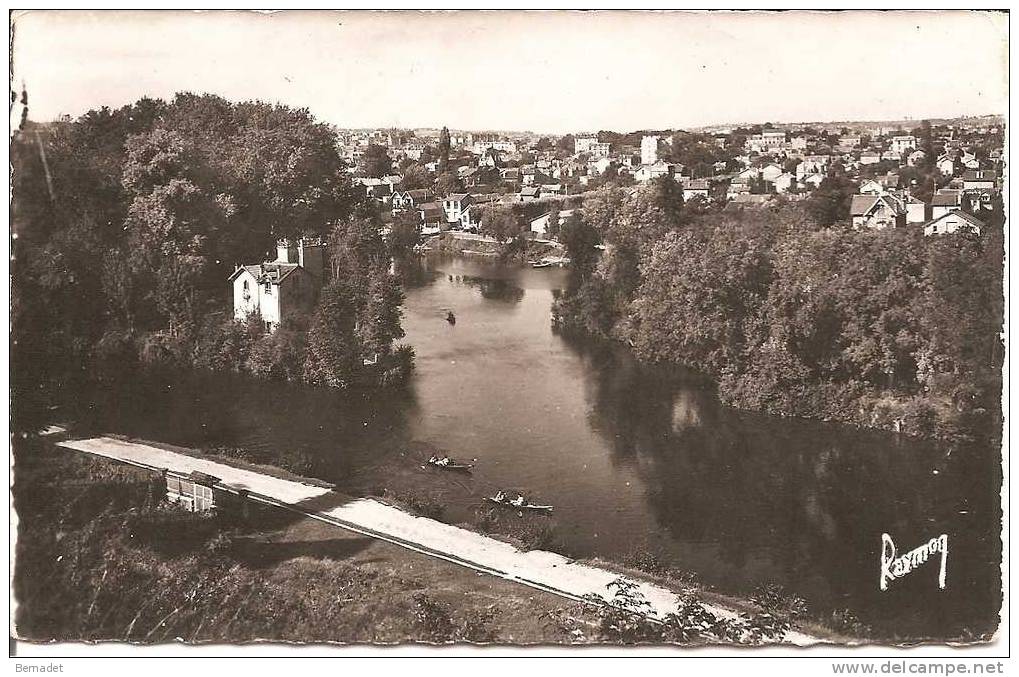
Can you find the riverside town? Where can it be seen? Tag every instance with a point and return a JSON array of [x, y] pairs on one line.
[[547, 329]]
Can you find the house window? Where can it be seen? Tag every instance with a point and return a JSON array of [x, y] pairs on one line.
[[247, 292], [268, 288]]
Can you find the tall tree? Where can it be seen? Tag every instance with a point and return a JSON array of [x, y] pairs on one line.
[[333, 350], [831, 200], [446, 183], [377, 162], [415, 176], [444, 146]]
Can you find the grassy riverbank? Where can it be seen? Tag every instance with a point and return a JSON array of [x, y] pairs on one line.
[[102, 556]]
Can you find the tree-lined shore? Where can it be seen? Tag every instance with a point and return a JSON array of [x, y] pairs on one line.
[[128, 222], [888, 329]]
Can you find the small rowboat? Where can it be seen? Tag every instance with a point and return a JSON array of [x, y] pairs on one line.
[[453, 465], [542, 264], [525, 506]]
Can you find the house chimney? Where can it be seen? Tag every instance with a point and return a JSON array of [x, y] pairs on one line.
[[311, 257], [286, 251]]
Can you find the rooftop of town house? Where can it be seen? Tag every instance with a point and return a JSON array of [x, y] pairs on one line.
[[267, 272], [862, 205], [946, 199], [965, 216]]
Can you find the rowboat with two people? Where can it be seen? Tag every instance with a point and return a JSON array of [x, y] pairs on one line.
[[520, 502], [449, 463]]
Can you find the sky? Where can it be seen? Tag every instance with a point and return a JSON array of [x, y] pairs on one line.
[[550, 72]]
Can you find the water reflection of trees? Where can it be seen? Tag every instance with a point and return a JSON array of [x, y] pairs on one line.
[[491, 289], [753, 498], [336, 432], [413, 271], [420, 271]]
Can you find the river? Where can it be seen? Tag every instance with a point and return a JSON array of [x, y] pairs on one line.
[[632, 458]]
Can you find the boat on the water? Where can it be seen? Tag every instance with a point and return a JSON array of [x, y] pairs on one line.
[[542, 264], [507, 503], [447, 463]]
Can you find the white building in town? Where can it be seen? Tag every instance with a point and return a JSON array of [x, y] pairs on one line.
[[649, 150]]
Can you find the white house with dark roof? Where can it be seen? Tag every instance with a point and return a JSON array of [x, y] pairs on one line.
[[979, 180], [696, 188], [877, 212], [872, 187], [648, 172], [946, 164], [784, 182], [770, 172], [902, 144], [454, 205], [283, 289], [813, 180], [408, 199], [945, 201], [953, 222], [735, 189], [812, 164]]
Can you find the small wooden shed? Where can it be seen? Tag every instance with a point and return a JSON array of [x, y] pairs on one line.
[[196, 491]]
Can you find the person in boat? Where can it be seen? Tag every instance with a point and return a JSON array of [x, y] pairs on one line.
[[450, 317], [500, 496], [519, 501]]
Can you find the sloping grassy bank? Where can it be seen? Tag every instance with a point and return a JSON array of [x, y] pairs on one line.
[[101, 557]]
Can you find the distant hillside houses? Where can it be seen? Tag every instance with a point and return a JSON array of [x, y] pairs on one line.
[[903, 144], [480, 147], [765, 142], [909, 174]]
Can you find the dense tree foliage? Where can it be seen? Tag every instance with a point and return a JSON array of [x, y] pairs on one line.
[[627, 224], [446, 183], [891, 328], [415, 176], [128, 222], [501, 222], [829, 203], [698, 153], [377, 162]]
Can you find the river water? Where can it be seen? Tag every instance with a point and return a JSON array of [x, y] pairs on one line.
[[632, 458]]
